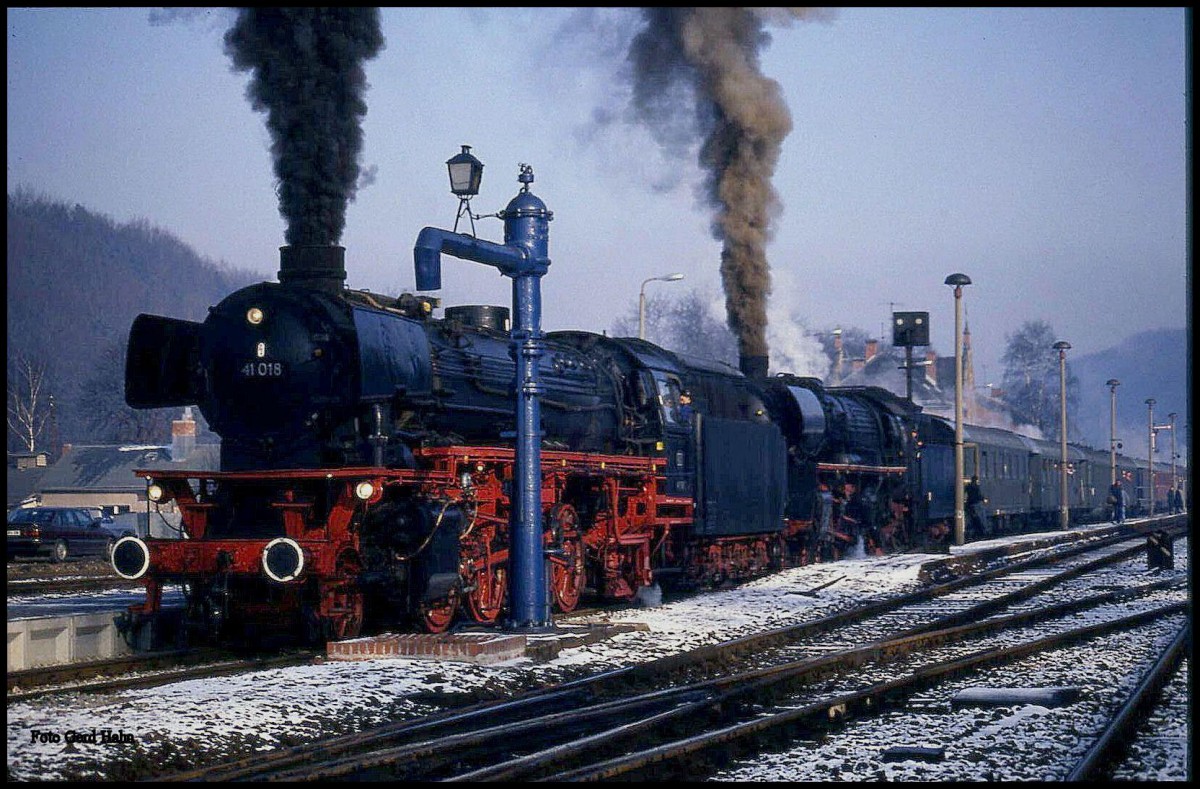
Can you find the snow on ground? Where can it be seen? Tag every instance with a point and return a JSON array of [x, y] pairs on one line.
[[70, 603], [1010, 742], [175, 724]]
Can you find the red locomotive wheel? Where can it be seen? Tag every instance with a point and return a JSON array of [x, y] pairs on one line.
[[340, 619], [567, 576], [436, 616], [487, 598]]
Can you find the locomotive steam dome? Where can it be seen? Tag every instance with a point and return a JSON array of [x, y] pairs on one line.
[[480, 316]]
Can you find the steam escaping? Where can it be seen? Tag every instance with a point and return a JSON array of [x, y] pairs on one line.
[[708, 59], [307, 74], [985, 417], [795, 347], [796, 350]]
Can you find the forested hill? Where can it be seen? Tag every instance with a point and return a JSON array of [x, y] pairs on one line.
[[76, 281], [1151, 364]]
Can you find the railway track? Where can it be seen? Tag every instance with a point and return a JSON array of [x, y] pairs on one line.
[[1161, 746], [40, 586], [140, 671], [36, 577], [1113, 742], [783, 719], [560, 727]]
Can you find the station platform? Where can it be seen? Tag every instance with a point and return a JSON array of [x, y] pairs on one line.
[[974, 555], [37, 642], [58, 640]]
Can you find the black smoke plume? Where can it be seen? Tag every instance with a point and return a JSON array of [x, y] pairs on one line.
[[706, 60], [307, 74]]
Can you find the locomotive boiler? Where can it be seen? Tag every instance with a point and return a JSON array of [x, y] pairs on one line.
[[305, 377]]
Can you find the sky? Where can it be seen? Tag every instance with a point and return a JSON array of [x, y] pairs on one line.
[[1008, 743], [1042, 152]]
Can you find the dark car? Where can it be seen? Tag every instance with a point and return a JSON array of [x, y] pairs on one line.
[[57, 532]]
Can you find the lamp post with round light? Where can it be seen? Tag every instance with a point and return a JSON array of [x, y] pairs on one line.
[[642, 300], [1112, 384], [1150, 401], [1064, 512], [958, 281], [1174, 476]]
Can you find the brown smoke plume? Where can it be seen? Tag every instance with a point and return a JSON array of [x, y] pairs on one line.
[[307, 74], [741, 118]]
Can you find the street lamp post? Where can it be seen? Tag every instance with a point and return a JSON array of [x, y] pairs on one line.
[[837, 349], [1150, 455], [642, 300], [1064, 511], [957, 281], [1154, 430], [1174, 479], [1112, 384]]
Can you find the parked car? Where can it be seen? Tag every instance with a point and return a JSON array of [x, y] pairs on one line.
[[59, 533], [115, 530]]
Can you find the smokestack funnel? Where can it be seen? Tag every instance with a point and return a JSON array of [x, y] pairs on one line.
[[753, 366], [313, 266]]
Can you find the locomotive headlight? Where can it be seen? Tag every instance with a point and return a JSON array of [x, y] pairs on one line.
[[130, 558], [283, 559], [155, 492], [254, 316], [364, 490]]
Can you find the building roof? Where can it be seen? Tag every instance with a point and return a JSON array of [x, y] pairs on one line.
[[109, 469], [884, 370], [23, 483]]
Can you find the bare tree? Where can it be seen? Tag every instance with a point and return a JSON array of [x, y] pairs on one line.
[[29, 400], [697, 330], [685, 324], [657, 308], [108, 419], [1031, 378]]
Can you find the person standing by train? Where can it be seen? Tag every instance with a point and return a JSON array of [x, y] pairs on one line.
[[974, 502], [1116, 498], [1177, 500]]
